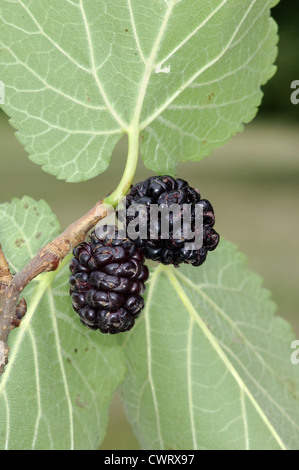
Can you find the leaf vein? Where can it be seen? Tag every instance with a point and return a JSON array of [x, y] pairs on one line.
[[187, 38], [94, 71], [189, 383], [152, 284], [209, 64], [135, 31], [60, 360], [220, 351], [59, 48], [38, 390]]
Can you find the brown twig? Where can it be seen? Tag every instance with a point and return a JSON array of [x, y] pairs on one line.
[[47, 259], [5, 300], [5, 275]]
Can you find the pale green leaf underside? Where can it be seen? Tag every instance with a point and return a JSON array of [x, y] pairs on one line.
[[57, 387], [25, 226], [219, 53], [213, 368], [79, 74]]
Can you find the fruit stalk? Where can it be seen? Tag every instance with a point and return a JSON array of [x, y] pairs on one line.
[[130, 169]]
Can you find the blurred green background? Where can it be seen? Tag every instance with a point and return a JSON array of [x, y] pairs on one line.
[[252, 182]]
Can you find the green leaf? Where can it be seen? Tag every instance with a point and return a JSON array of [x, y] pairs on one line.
[[213, 368], [56, 389], [25, 226], [217, 56], [184, 75]]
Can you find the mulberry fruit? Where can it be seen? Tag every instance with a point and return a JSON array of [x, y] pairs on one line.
[[107, 281], [164, 191]]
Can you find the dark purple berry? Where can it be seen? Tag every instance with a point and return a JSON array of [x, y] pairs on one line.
[[107, 281], [166, 238]]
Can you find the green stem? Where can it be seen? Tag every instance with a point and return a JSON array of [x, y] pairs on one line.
[[114, 198]]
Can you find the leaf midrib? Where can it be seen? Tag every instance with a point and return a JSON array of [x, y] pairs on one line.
[[61, 364], [43, 283], [214, 343], [149, 66], [209, 64], [233, 325], [152, 283], [240, 333]]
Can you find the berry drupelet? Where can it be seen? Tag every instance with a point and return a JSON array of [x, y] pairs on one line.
[[107, 281]]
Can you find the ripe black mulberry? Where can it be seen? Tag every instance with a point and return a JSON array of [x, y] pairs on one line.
[[107, 281], [166, 191]]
